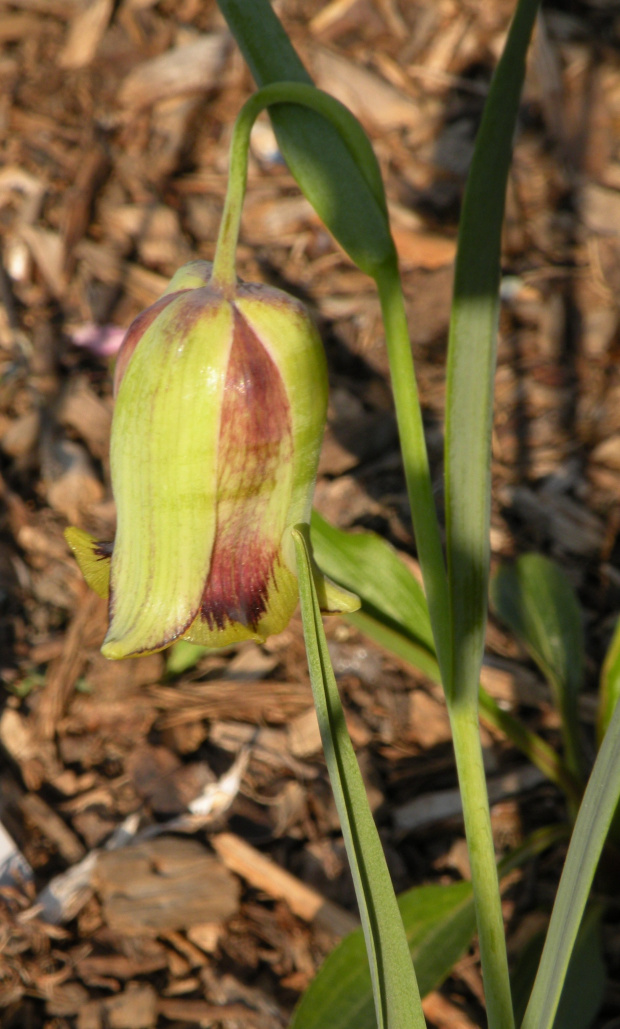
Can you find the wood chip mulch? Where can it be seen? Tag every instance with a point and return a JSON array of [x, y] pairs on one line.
[[169, 848]]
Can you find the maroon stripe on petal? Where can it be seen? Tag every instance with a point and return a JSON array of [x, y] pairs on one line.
[[255, 439]]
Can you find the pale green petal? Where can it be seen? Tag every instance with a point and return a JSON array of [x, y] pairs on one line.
[[163, 460]]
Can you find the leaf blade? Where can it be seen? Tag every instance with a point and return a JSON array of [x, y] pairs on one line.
[[397, 1000]]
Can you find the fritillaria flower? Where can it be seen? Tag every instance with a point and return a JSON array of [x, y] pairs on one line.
[[221, 396]]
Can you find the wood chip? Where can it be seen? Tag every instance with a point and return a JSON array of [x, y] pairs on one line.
[[52, 826], [262, 873], [163, 884], [135, 1008], [267, 701], [368, 95], [63, 674], [86, 32], [194, 67], [439, 1010], [82, 410], [428, 720]]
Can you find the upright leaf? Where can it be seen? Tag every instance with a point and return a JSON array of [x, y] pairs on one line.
[[372, 569], [394, 615], [397, 999], [591, 827], [439, 921], [472, 357]]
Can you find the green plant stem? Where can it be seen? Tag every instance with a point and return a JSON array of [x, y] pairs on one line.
[[415, 458], [476, 814], [351, 133]]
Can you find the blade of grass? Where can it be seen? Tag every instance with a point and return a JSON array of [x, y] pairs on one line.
[[397, 999]]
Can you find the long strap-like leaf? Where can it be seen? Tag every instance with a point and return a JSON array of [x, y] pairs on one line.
[[397, 999]]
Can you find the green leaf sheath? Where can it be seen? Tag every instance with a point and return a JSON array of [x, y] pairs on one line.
[[397, 1000]]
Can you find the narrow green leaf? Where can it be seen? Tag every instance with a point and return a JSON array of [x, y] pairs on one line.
[[334, 183], [439, 922], [397, 1000], [536, 600], [472, 353], [610, 684], [593, 820], [584, 987], [472, 357]]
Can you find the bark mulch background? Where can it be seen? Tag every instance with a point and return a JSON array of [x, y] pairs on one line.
[[115, 119]]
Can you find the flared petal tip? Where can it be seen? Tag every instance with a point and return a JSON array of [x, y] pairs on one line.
[[120, 648], [334, 599], [115, 650]]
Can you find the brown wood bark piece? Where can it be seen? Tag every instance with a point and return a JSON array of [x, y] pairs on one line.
[[52, 826], [263, 873], [164, 884], [63, 674]]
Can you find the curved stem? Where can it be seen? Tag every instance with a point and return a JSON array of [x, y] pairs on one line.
[[349, 128], [476, 814]]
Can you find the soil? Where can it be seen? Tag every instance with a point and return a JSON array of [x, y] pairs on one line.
[[115, 120]]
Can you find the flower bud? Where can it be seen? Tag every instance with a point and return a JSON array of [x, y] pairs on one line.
[[221, 396]]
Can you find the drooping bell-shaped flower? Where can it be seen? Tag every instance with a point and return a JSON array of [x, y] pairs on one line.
[[221, 396]]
